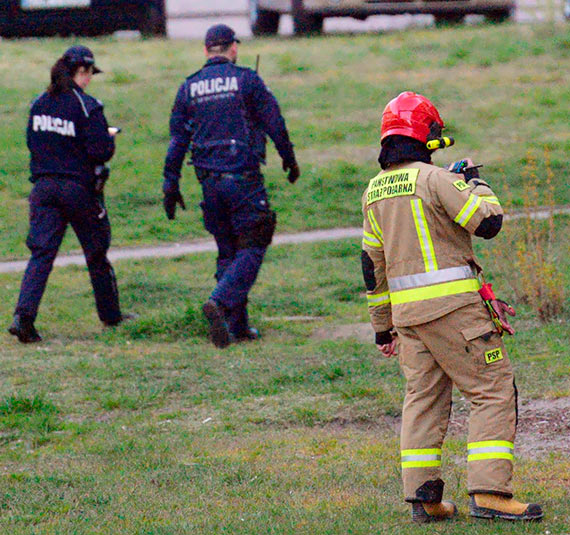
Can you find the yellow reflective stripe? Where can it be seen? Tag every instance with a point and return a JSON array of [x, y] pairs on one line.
[[490, 449], [469, 208], [490, 455], [375, 227], [490, 443], [491, 200], [421, 458], [432, 292], [420, 464], [370, 239], [378, 299], [424, 235]]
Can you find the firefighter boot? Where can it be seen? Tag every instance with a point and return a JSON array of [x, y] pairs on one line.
[[423, 512], [427, 505], [494, 506], [219, 330], [23, 328]]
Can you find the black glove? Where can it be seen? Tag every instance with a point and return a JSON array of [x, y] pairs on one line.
[[294, 171], [171, 199], [102, 173]]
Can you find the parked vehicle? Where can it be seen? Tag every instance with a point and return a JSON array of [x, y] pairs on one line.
[[308, 15], [30, 18]]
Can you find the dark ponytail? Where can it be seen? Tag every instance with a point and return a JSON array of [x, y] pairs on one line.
[[61, 77]]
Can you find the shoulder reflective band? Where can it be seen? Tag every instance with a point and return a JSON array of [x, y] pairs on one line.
[[375, 300], [375, 227], [432, 277], [371, 240], [432, 292], [469, 208], [424, 235], [421, 458], [490, 449], [491, 199]]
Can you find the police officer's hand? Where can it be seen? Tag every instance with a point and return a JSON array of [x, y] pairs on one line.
[[171, 199], [294, 171]]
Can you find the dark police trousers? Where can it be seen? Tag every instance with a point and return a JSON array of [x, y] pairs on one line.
[[236, 212], [55, 202]]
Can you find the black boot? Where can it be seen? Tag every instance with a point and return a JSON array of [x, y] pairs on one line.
[[251, 333], [219, 330], [122, 319], [23, 328]]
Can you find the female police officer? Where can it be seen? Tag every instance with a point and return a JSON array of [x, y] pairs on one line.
[[69, 141]]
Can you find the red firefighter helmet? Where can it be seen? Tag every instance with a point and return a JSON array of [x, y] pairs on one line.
[[412, 115]]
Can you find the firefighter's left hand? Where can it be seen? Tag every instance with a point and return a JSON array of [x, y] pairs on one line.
[[502, 308], [388, 350]]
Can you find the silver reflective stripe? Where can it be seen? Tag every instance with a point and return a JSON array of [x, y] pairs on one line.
[[411, 458], [431, 277], [490, 449]]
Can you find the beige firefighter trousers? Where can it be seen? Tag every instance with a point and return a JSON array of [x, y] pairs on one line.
[[461, 348]]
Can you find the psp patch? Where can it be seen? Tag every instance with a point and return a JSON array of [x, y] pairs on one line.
[[461, 185], [493, 355]]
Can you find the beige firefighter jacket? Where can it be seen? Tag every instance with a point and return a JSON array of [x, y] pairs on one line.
[[417, 224]]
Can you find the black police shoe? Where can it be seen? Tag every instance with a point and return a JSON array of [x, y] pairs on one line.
[[122, 319], [219, 330], [24, 329], [251, 333]]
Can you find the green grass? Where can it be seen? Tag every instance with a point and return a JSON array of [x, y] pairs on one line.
[[502, 90], [149, 429]]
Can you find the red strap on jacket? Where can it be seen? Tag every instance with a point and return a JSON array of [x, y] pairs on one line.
[[486, 292]]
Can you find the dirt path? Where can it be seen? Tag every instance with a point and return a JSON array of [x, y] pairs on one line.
[[203, 246]]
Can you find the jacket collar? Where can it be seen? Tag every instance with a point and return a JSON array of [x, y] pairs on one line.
[[216, 60]]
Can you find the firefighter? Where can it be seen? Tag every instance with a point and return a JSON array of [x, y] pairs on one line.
[[423, 294], [223, 113], [69, 141]]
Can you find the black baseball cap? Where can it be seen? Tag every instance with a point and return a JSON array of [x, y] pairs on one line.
[[81, 55], [220, 34]]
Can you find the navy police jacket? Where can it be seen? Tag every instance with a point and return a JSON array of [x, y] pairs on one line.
[[67, 136], [223, 113]]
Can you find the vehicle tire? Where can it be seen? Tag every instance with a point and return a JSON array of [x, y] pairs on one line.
[[448, 19], [304, 22], [262, 21], [153, 21], [499, 15]]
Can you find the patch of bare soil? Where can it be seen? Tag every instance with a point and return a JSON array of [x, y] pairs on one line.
[[543, 427]]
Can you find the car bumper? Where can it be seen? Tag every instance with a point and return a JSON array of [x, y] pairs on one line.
[[355, 8]]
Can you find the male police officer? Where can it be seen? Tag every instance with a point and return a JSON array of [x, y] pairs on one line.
[[223, 113], [420, 273], [69, 139]]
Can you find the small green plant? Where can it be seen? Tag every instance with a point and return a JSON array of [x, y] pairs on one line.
[[536, 276]]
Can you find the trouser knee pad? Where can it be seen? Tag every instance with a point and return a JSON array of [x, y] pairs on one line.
[[260, 233]]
